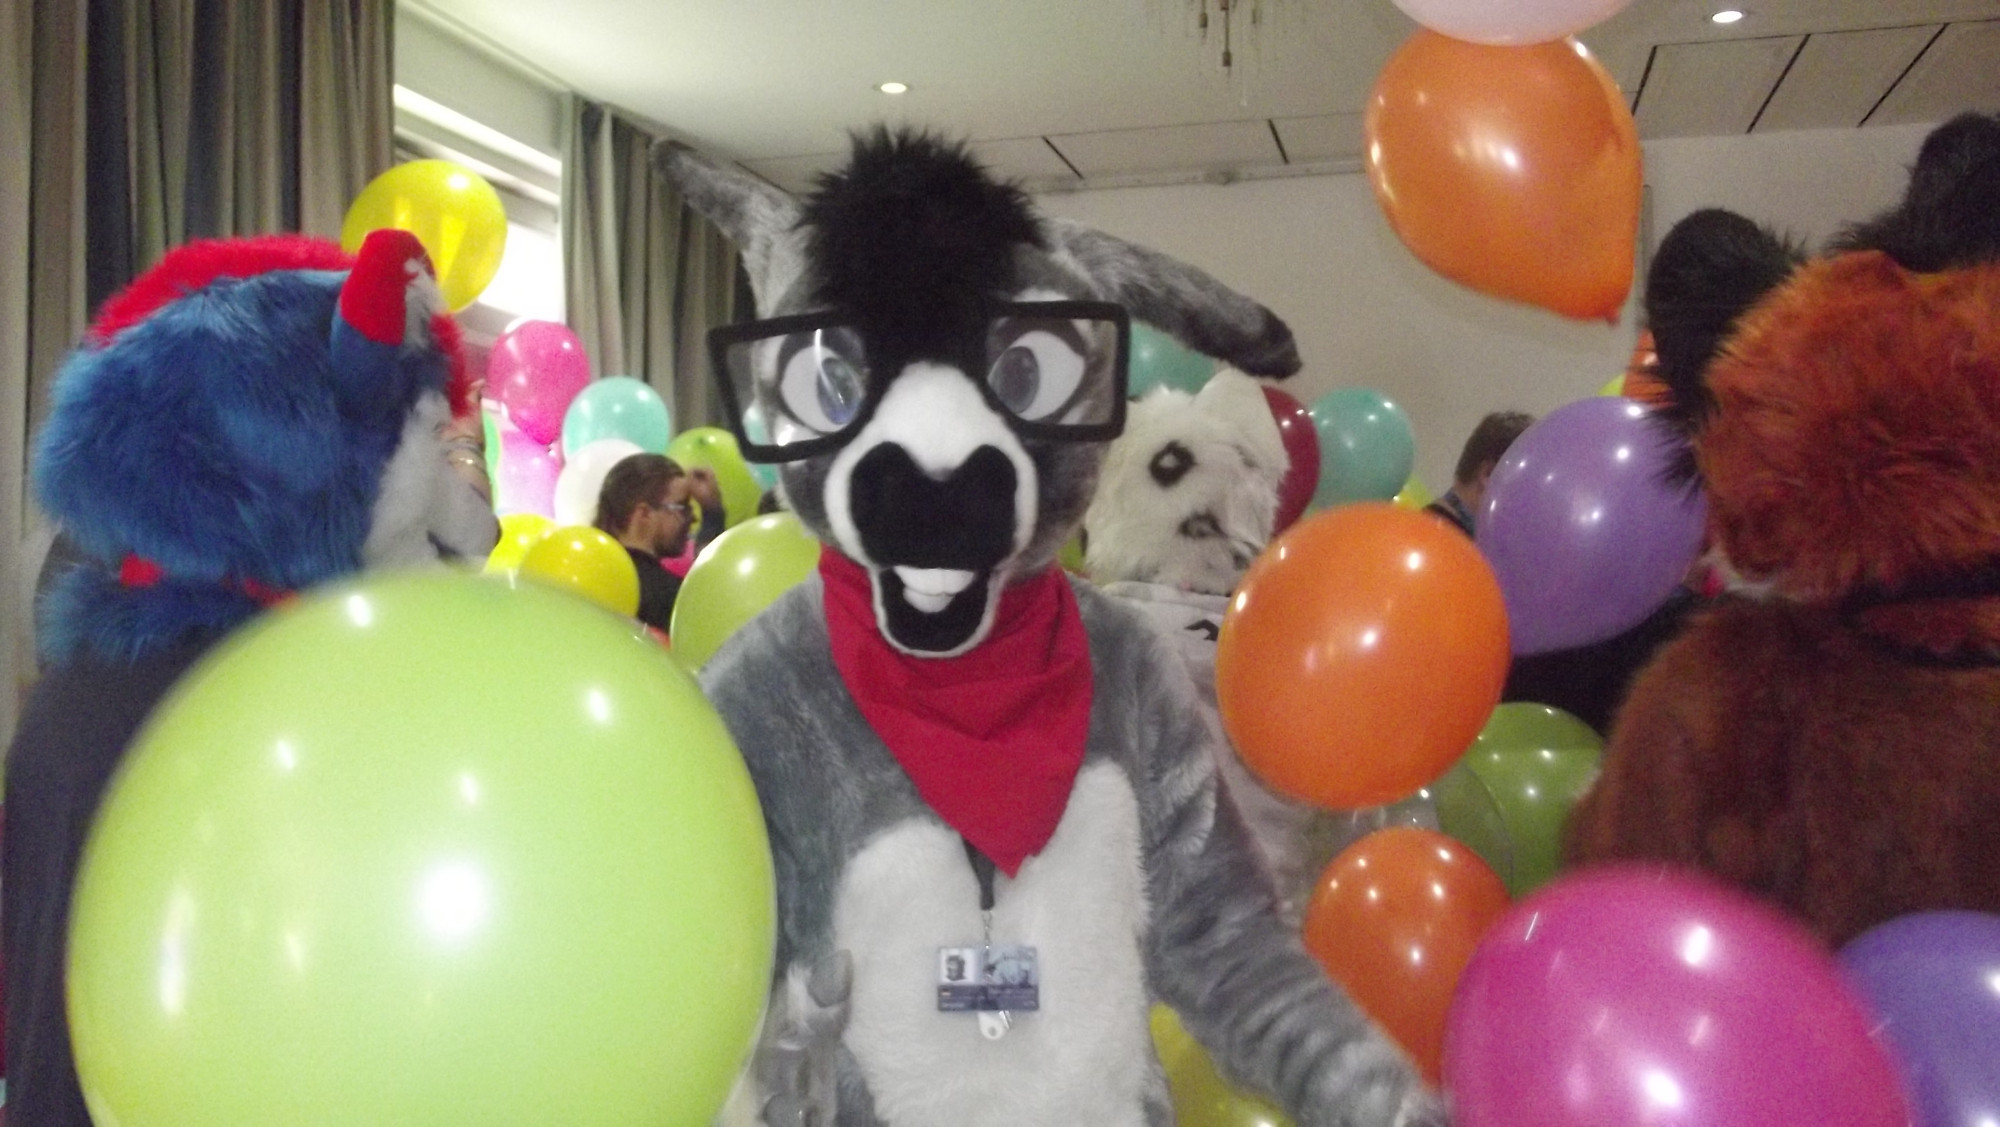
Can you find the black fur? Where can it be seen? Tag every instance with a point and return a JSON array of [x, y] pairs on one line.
[[911, 241], [1171, 464], [1950, 214], [1710, 269]]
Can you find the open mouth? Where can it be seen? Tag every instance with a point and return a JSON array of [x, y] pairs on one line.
[[931, 589], [933, 609]]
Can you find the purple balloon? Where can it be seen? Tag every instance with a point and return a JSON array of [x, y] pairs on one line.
[[1934, 980], [1630, 995], [1582, 526]]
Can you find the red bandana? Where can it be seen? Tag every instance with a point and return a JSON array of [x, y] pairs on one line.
[[992, 738]]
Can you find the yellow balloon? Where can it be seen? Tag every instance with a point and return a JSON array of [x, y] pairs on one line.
[[1202, 1098], [1615, 387], [451, 209], [1415, 494], [587, 562], [518, 533]]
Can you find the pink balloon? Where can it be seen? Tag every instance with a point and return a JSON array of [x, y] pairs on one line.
[[680, 564], [528, 471], [1627, 996], [1514, 23], [536, 368]]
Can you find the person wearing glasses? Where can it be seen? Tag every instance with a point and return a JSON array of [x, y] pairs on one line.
[[647, 504]]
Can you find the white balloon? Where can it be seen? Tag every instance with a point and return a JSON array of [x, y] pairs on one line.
[[582, 478], [1510, 23]]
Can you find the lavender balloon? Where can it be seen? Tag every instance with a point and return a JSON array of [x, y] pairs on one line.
[[1629, 996], [1934, 981], [1582, 526], [528, 472]]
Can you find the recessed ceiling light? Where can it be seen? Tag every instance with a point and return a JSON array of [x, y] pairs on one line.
[[894, 88], [1727, 15]]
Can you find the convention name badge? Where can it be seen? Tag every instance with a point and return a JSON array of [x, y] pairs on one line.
[[992, 978]]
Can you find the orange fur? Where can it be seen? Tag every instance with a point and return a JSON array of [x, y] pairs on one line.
[[1856, 437], [1854, 448], [1774, 748]]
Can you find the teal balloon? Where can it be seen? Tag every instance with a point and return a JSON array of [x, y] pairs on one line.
[[617, 407], [1366, 449], [426, 849], [1538, 762], [757, 430], [1159, 360]]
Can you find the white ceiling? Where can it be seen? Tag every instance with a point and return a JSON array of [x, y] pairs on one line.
[[1086, 93]]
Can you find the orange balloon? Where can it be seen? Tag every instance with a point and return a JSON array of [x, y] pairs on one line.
[[1362, 653], [1512, 170], [1394, 920]]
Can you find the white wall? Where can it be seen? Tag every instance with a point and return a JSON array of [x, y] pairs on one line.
[[1367, 313], [439, 63]]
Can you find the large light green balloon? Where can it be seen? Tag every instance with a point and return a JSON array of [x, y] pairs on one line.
[[735, 578], [427, 850], [716, 449], [1537, 761]]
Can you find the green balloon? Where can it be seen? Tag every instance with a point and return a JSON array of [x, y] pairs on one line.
[[1456, 804], [716, 449], [1468, 813], [430, 850], [735, 578], [490, 427], [1538, 762], [1159, 360]]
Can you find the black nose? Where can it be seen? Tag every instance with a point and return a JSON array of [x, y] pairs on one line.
[[906, 517]]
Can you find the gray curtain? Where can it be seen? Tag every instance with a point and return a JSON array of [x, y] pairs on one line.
[[645, 277], [135, 125], [16, 123]]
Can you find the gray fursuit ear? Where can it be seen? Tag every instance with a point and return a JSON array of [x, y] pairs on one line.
[[760, 219], [1179, 299]]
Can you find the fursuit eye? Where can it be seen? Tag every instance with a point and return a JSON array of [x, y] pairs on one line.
[[821, 387], [1037, 375]]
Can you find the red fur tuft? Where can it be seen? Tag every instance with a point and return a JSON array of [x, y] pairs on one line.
[[187, 268], [1853, 443], [450, 340]]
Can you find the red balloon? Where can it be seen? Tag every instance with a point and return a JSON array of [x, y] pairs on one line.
[[1295, 426]]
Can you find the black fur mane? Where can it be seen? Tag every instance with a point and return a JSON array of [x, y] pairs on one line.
[[1710, 269], [1949, 216], [912, 238]]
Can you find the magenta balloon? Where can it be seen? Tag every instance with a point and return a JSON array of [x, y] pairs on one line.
[[1628, 996], [1582, 526], [528, 472], [536, 368], [1933, 979]]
